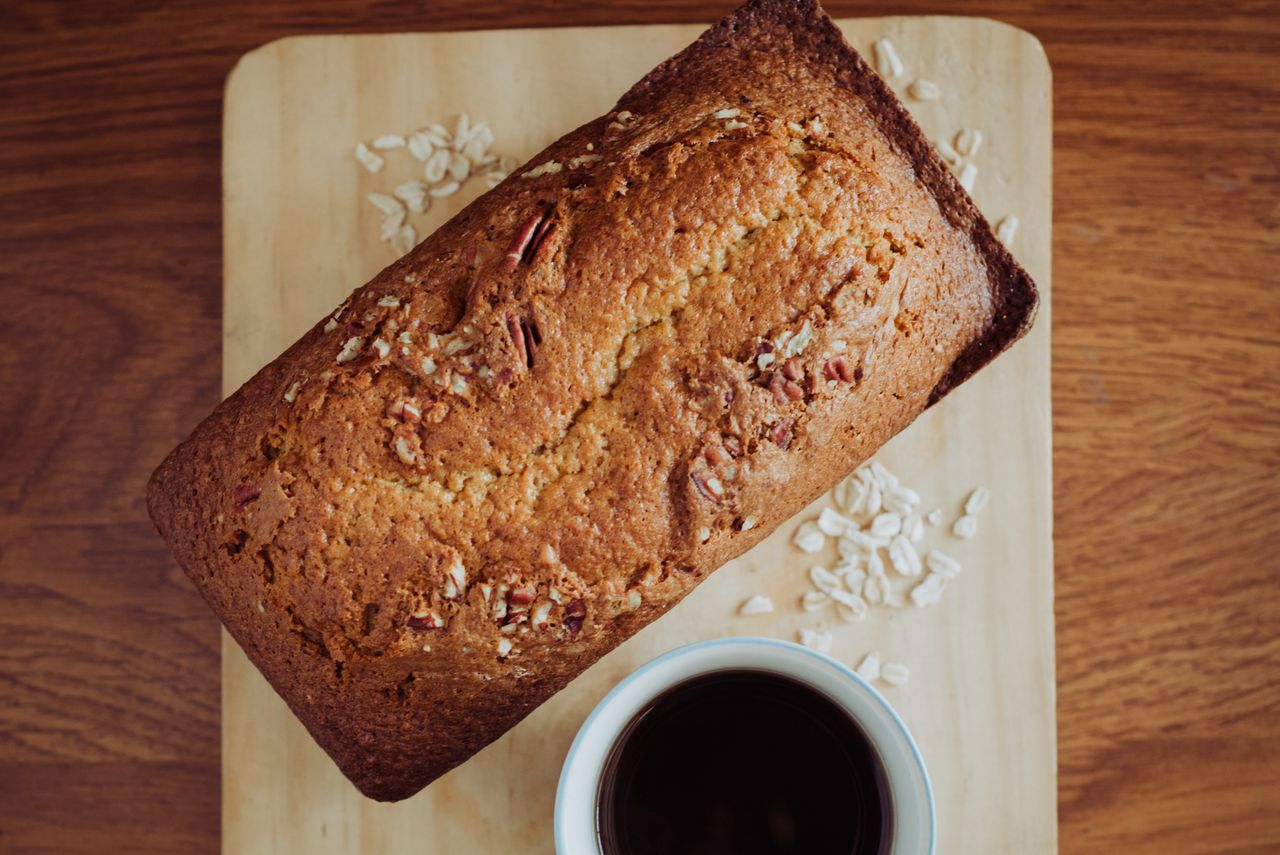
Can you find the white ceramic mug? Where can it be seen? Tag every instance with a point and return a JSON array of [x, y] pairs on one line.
[[913, 819]]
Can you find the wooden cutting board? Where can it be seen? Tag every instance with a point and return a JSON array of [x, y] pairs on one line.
[[299, 236]]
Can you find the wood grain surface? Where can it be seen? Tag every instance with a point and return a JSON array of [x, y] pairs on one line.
[[1166, 334], [297, 233]]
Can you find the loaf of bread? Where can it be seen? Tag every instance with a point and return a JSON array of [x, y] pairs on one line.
[[632, 360]]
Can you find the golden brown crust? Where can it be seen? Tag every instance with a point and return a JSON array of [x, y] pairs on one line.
[[539, 430]]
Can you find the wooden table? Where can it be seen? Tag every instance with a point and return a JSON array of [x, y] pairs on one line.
[[1166, 389]]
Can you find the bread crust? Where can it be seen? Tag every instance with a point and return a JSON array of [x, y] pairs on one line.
[[539, 430]]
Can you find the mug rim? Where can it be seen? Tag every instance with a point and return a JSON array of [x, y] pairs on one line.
[[559, 820]]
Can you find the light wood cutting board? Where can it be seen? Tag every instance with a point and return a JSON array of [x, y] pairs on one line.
[[299, 237]]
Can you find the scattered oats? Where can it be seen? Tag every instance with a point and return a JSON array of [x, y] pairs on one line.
[[968, 141], [734, 124], [965, 527], [428, 365], [391, 225], [387, 141], [390, 301], [420, 146], [493, 179], [903, 557], [929, 591], [551, 167], [812, 601], [504, 646], [886, 479], [461, 130], [756, 605], [350, 349], [809, 538], [440, 136], [386, 204], [847, 598], [704, 534], [869, 668], [875, 499], [1007, 229], [968, 175], [726, 113], [444, 190], [404, 451], [405, 240], [478, 143], [823, 579], [383, 348], [901, 500], [887, 61], [876, 589], [854, 577], [852, 613], [886, 525], [895, 674], [840, 492], [934, 517], [941, 564], [868, 543], [977, 500], [913, 527], [508, 164], [855, 496], [948, 152], [437, 165], [816, 639], [291, 394], [833, 524], [371, 161], [414, 195], [924, 90], [459, 167]]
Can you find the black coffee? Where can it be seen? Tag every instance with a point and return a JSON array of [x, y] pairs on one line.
[[743, 763]]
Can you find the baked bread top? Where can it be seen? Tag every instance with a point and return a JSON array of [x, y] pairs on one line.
[[627, 364]]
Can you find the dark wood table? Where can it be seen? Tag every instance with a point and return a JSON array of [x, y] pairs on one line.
[[1166, 327]]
